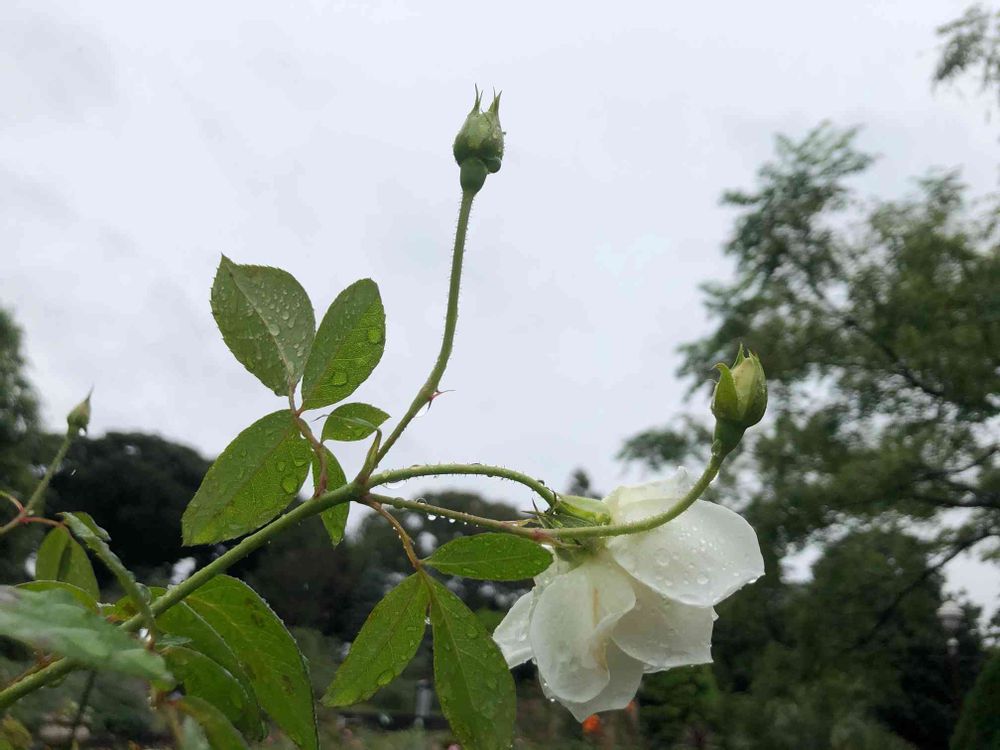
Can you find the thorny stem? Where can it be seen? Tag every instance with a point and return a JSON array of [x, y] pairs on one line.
[[400, 532], [36, 503], [549, 536], [484, 470], [583, 532], [507, 527], [429, 388], [22, 519]]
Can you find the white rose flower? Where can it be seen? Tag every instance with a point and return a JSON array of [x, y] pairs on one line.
[[641, 603]]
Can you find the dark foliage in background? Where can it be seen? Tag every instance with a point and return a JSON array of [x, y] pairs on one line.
[[132, 481]]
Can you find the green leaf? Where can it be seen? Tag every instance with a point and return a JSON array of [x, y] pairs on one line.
[[348, 346], [493, 557], [353, 422], [266, 650], [54, 621], [86, 530], [60, 558], [83, 597], [220, 733], [335, 518], [255, 478], [205, 678], [266, 320], [386, 644], [473, 683], [181, 620]]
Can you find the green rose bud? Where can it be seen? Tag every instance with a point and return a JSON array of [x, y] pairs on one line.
[[739, 401], [79, 417], [478, 146], [594, 512]]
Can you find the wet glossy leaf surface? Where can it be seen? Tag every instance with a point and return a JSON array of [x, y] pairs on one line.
[[266, 320], [265, 649], [493, 557], [386, 644], [205, 678], [348, 346], [353, 422], [255, 478], [473, 683]]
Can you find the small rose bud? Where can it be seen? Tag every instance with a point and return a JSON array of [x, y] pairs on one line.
[[79, 417], [478, 146], [594, 512], [740, 399]]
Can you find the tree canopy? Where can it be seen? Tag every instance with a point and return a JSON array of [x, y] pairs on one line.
[[879, 329]]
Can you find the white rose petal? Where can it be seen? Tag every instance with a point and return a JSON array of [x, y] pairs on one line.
[[698, 558], [626, 673], [666, 491], [571, 625], [663, 633], [511, 634]]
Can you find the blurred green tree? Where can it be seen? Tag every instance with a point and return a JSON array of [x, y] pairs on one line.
[[18, 409], [971, 46], [880, 335], [837, 675], [678, 707], [979, 726], [879, 327], [18, 432]]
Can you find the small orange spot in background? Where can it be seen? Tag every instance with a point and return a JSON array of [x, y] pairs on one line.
[[592, 724]]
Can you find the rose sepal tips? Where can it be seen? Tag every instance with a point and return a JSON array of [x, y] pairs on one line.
[[478, 147]]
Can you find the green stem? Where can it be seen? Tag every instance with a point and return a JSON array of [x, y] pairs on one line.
[[507, 527], [583, 532], [482, 470], [429, 388], [539, 535], [36, 503], [175, 594], [401, 532]]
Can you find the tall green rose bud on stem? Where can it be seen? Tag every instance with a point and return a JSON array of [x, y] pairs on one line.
[[79, 418], [739, 401], [478, 146], [77, 421]]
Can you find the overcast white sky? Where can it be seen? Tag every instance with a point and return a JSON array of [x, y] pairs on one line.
[[138, 141]]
